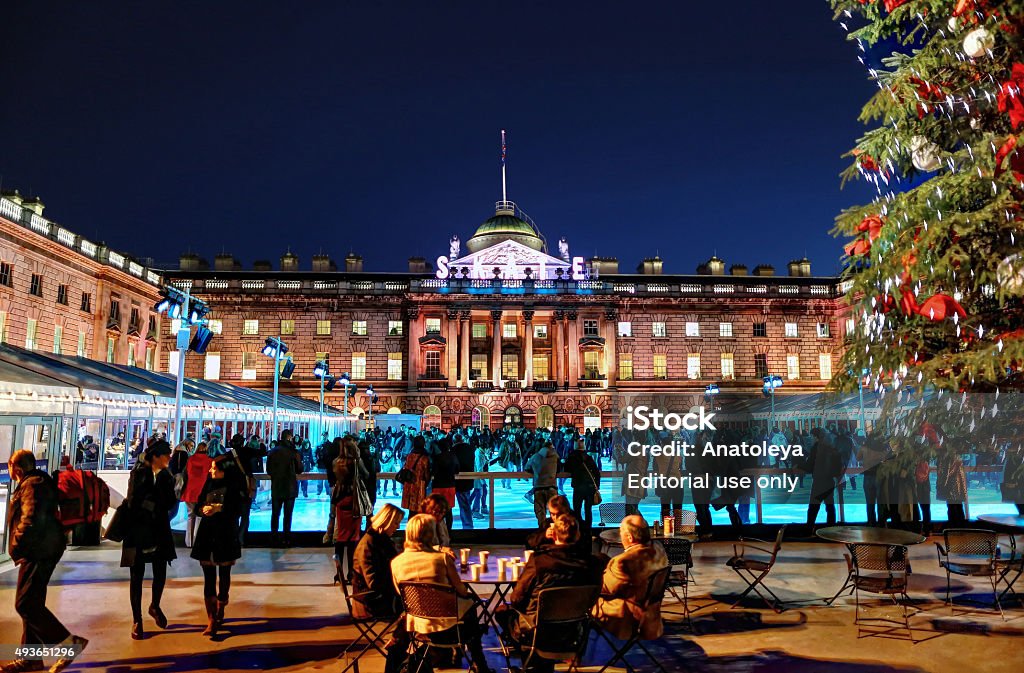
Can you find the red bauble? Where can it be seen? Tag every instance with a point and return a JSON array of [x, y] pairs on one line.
[[941, 306]]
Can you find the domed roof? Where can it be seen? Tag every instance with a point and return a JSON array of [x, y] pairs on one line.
[[503, 226]]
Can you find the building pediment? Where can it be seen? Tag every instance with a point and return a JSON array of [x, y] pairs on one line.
[[513, 259]]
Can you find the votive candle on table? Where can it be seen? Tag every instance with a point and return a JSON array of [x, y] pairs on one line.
[[515, 571], [502, 573], [475, 572], [670, 526], [464, 556], [483, 559], [516, 559]]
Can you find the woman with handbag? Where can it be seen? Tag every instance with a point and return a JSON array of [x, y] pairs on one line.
[[147, 530], [219, 507], [349, 503], [414, 476], [197, 470]]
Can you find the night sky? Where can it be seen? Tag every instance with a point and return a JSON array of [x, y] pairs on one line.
[[682, 128]]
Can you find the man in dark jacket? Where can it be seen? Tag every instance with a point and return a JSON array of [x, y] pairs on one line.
[[284, 464], [35, 545], [585, 478], [464, 487], [825, 466], [444, 468], [553, 566]]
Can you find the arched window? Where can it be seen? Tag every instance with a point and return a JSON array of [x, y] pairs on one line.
[[513, 416], [481, 417], [357, 412], [394, 410], [591, 418], [432, 417], [545, 417]]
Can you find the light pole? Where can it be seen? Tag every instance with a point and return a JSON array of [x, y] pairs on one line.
[[180, 305], [711, 391], [275, 348], [771, 382], [864, 373], [322, 371], [371, 398], [345, 381]]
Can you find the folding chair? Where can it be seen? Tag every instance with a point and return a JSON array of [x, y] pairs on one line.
[[372, 631], [879, 569], [753, 571], [970, 553], [1009, 561], [680, 560], [561, 627], [655, 592], [686, 522], [611, 512], [430, 600]]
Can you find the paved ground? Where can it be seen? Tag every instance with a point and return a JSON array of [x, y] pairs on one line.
[[285, 616]]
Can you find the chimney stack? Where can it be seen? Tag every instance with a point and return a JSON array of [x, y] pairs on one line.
[[738, 270], [603, 265], [712, 267], [262, 265], [650, 266], [324, 263], [800, 268], [353, 263], [418, 265], [764, 270], [192, 262], [225, 262], [289, 261]]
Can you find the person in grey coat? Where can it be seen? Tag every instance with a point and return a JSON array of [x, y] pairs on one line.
[[544, 466], [284, 464]]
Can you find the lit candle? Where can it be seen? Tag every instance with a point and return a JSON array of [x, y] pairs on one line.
[[483, 559], [515, 571], [475, 572]]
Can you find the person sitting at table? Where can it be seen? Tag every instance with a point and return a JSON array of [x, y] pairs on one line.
[[436, 505], [556, 565], [374, 593], [625, 583], [421, 561], [540, 538]]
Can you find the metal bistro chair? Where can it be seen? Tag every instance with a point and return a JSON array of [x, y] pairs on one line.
[[655, 592], [680, 560], [430, 600], [879, 569], [562, 625], [611, 512], [753, 571], [686, 522], [1009, 561], [970, 553], [371, 631]]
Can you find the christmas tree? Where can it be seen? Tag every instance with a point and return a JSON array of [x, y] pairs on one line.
[[935, 266]]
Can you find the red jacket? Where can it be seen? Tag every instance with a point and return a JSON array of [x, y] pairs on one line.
[[197, 471]]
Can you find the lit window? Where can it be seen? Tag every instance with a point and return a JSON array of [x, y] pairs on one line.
[[479, 330], [728, 367], [36, 286], [725, 329], [658, 329], [358, 366], [323, 356], [150, 352], [215, 326], [591, 365], [433, 325], [86, 304], [58, 335], [287, 327], [478, 366], [5, 274], [509, 366], [358, 328], [111, 349], [508, 330], [323, 327], [172, 363], [793, 366], [81, 344], [590, 328], [660, 366], [211, 370], [3, 326], [395, 328], [825, 366], [761, 330], [131, 354], [693, 366], [625, 328], [540, 367], [30, 334], [761, 365], [540, 332], [250, 327], [248, 366], [394, 366], [791, 330], [693, 329], [626, 366], [823, 331], [433, 365], [851, 326]]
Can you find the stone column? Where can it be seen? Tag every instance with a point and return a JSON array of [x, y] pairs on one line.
[[558, 353], [465, 326], [451, 347], [528, 349], [611, 332], [496, 347], [415, 332], [574, 348]]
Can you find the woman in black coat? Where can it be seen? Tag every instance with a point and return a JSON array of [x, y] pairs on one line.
[[216, 546], [151, 504]]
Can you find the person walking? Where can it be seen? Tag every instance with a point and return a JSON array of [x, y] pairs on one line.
[[284, 464], [217, 547], [148, 540], [35, 544], [585, 478], [464, 488], [443, 482], [349, 503], [544, 466], [418, 464], [825, 465], [197, 469]]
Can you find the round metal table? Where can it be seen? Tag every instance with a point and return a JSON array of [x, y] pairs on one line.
[[869, 535], [1005, 521], [851, 535], [1010, 525], [500, 589]]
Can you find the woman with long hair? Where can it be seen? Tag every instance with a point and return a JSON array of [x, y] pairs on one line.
[[349, 502], [217, 547], [148, 540], [436, 505], [418, 463], [197, 469]]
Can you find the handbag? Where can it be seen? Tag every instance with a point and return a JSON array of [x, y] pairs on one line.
[[118, 523], [597, 490]]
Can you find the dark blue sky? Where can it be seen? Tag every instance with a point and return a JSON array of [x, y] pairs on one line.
[[680, 128]]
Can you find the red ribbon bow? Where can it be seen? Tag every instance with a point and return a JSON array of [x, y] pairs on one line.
[[1009, 96], [940, 306]]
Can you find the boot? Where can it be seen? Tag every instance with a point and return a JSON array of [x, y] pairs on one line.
[[211, 616], [219, 616]]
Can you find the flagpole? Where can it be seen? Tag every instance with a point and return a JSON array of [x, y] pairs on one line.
[[504, 194]]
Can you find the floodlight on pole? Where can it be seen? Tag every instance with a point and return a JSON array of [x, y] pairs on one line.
[[321, 370], [178, 303], [275, 348], [771, 382]]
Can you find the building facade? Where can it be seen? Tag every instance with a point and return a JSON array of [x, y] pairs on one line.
[[62, 293], [505, 332]]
